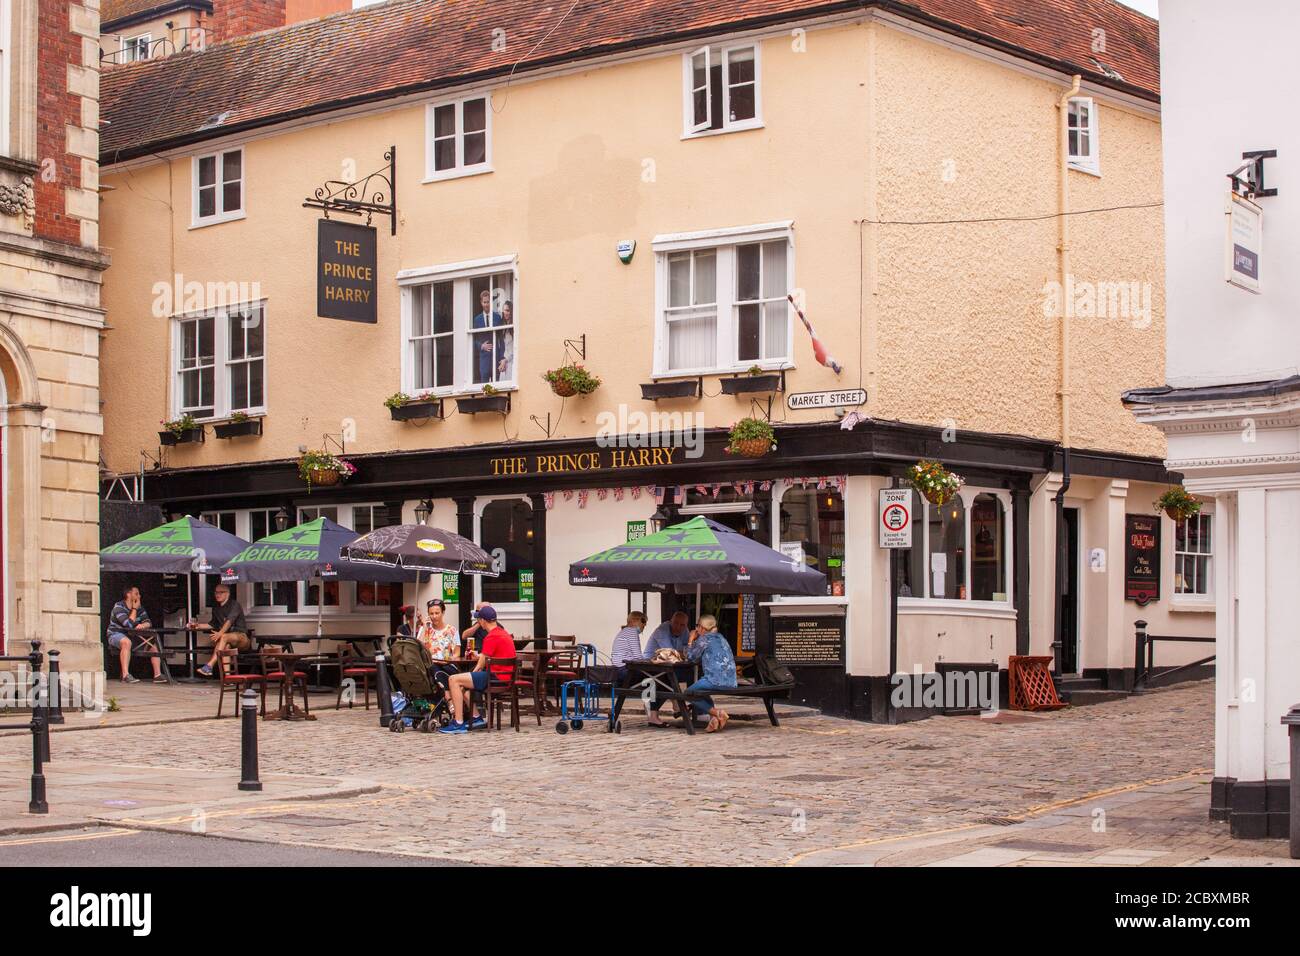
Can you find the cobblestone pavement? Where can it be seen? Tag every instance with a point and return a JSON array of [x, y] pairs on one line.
[[752, 794]]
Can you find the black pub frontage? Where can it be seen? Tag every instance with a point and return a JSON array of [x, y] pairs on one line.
[[972, 590]]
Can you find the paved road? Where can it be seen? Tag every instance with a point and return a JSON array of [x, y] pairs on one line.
[[752, 794], [102, 846]]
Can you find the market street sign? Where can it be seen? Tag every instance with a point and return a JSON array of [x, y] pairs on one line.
[[345, 271], [839, 398], [895, 517]]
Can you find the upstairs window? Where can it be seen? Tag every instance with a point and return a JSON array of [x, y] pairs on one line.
[[721, 88], [1082, 133], [218, 187], [458, 138], [1194, 556], [136, 48], [220, 362]]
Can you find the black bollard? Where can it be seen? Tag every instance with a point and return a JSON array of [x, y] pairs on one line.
[[248, 741], [1292, 722], [384, 690], [40, 735], [56, 690]]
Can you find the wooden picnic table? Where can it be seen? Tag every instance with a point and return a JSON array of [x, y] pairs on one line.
[[666, 682]]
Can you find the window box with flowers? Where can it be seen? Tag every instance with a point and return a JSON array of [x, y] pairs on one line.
[[404, 408], [240, 425], [180, 431], [321, 468], [490, 399]]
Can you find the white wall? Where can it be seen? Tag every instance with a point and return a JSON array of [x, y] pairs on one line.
[[1228, 80]]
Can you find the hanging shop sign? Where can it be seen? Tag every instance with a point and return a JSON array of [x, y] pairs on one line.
[[895, 517], [809, 641], [840, 398], [345, 271], [1142, 558], [1244, 242]]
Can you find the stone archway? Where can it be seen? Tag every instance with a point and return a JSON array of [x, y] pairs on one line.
[[21, 426]]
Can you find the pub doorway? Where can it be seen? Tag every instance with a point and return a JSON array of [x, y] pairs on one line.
[[1070, 598]]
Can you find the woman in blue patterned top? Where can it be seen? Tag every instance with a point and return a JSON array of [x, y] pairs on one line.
[[719, 665]]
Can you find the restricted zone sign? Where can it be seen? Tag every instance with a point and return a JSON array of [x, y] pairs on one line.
[[896, 517]]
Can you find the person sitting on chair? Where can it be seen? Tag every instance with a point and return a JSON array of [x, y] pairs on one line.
[[407, 627], [719, 666], [673, 635], [627, 642], [127, 617], [230, 631], [496, 644]]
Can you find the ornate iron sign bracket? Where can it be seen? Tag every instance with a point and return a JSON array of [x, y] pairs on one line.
[[376, 193]]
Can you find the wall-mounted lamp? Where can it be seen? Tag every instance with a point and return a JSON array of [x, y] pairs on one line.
[[754, 517], [423, 510], [281, 520]]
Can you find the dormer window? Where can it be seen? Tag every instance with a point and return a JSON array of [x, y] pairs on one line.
[[136, 48], [721, 87]]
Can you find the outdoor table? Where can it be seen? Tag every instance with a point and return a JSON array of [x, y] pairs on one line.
[[666, 676], [160, 633], [288, 710], [542, 663]]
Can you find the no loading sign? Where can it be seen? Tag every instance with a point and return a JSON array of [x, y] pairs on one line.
[[896, 518]]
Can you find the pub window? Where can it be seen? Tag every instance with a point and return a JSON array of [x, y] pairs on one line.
[[267, 594], [720, 89], [506, 533], [218, 187], [459, 138], [722, 304], [812, 531], [459, 329], [1082, 133], [365, 519], [959, 552], [1194, 555], [311, 592], [208, 389]]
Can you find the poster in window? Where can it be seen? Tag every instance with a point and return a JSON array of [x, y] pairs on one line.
[[1142, 558], [345, 271]]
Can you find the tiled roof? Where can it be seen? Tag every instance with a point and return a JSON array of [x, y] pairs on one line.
[[113, 11], [408, 46]]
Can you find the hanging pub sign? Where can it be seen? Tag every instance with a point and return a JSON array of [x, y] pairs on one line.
[[345, 271], [1244, 242], [1142, 558]]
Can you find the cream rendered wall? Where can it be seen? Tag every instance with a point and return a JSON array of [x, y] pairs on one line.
[[570, 156], [110, 44], [960, 307]]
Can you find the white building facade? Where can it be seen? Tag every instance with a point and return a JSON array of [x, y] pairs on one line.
[[1231, 406]]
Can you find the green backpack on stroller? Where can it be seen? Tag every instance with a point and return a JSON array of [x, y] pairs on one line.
[[412, 669]]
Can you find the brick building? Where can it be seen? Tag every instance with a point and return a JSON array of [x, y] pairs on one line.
[[50, 325]]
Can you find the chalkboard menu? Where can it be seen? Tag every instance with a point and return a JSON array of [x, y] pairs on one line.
[[1142, 558], [748, 623], [809, 641]]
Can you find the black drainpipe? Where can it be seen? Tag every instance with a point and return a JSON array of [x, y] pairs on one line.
[[1058, 629]]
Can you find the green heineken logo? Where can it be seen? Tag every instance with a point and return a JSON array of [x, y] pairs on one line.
[[693, 540], [692, 534], [176, 537], [174, 532], [304, 534]]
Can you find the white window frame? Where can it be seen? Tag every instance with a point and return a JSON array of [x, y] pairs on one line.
[[513, 609], [779, 489], [347, 605], [221, 214], [724, 241], [463, 309], [1194, 598], [1089, 162], [921, 539], [432, 174], [222, 363], [134, 45], [692, 130]]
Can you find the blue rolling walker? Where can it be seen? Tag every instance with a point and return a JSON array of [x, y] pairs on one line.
[[580, 699]]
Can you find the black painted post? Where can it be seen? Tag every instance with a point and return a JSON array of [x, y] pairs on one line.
[[56, 690], [384, 690], [37, 696], [541, 629], [1139, 654], [1292, 722], [40, 738], [248, 773]]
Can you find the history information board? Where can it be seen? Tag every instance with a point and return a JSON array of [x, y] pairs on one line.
[[809, 641]]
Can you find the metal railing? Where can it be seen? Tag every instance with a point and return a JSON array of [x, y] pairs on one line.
[[1144, 658], [38, 725]]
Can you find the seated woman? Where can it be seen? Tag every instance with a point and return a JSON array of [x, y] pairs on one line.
[[719, 665], [440, 638]]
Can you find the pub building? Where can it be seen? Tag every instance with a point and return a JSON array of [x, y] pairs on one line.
[[384, 261], [975, 587]]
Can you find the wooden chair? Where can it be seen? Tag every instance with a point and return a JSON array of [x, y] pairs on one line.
[[505, 686], [230, 676], [353, 665], [563, 667]]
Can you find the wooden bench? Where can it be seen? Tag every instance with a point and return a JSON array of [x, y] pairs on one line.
[[753, 688]]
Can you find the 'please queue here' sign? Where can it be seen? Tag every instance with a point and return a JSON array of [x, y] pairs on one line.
[[345, 271]]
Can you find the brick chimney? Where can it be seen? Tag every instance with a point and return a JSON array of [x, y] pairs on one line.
[[237, 18]]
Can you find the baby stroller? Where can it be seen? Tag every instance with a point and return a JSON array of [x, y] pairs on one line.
[[418, 701]]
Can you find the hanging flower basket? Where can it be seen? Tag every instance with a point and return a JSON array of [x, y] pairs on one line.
[[569, 380], [751, 438], [935, 483], [1178, 504], [324, 469]]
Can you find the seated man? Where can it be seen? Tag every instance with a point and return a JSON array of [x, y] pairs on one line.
[[672, 634], [497, 643], [407, 627], [126, 618], [719, 666], [229, 629], [476, 631], [627, 642]]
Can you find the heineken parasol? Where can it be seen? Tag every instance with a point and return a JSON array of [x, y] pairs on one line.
[[310, 550], [187, 544]]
